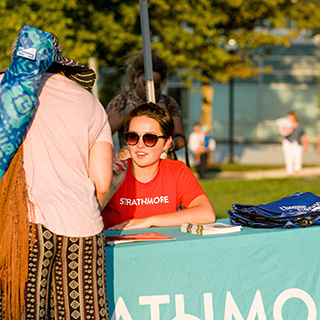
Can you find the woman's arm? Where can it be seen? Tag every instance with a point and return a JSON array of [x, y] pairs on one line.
[[305, 142], [116, 119], [115, 116], [100, 170], [176, 114], [105, 171], [178, 141], [200, 210]]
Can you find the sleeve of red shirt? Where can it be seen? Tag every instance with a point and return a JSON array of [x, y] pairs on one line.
[[188, 187]]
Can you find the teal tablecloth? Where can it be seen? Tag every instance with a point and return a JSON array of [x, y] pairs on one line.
[[253, 274]]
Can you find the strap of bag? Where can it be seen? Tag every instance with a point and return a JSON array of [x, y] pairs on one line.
[[186, 149]]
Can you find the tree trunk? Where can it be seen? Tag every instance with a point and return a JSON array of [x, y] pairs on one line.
[[207, 93]]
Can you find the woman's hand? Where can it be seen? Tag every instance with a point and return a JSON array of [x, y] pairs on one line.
[[119, 169], [132, 224], [123, 153]]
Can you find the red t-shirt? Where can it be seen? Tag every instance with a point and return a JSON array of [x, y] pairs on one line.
[[173, 186]]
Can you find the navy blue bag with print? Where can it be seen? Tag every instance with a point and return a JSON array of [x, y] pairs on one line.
[[298, 210]]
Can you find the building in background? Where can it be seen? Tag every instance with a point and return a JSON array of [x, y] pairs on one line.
[[291, 86]]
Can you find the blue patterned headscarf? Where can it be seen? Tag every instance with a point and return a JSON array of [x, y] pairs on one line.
[[31, 58], [73, 70]]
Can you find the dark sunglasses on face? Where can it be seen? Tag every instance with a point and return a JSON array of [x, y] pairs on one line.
[[149, 139]]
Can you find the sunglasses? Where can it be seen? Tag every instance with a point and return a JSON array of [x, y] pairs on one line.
[[149, 139]]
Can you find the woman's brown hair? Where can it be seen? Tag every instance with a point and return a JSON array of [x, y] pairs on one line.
[[153, 111], [135, 65], [294, 115]]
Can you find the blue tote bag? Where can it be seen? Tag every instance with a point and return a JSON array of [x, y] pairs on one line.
[[18, 91], [298, 210]]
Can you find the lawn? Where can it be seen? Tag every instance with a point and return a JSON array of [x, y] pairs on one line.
[[224, 193], [218, 167]]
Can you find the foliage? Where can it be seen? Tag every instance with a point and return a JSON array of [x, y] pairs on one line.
[[306, 14], [194, 35], [85, 28], [190, 34]]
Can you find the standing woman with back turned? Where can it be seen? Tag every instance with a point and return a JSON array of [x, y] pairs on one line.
[[134, 93], [60, 178]]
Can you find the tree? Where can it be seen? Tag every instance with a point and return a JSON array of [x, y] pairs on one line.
[[85, 28], [190, 34], [193, 34]]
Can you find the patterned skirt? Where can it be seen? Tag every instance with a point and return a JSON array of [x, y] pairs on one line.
[[67, 278]]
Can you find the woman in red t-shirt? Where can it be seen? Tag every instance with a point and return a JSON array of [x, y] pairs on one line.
[[154, 189]]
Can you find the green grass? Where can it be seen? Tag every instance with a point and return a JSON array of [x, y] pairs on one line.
[[243, 167], [239, 167], [224, 193], [219, 167]]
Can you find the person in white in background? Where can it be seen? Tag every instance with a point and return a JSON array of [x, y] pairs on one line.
[[196, 145], [196, 142], [294, 143]]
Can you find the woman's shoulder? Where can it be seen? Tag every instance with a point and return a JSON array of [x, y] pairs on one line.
[[117, 103], [169, 101], [124, 96], [178, 173], [172, 105], [173, 165], [300, 126]]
